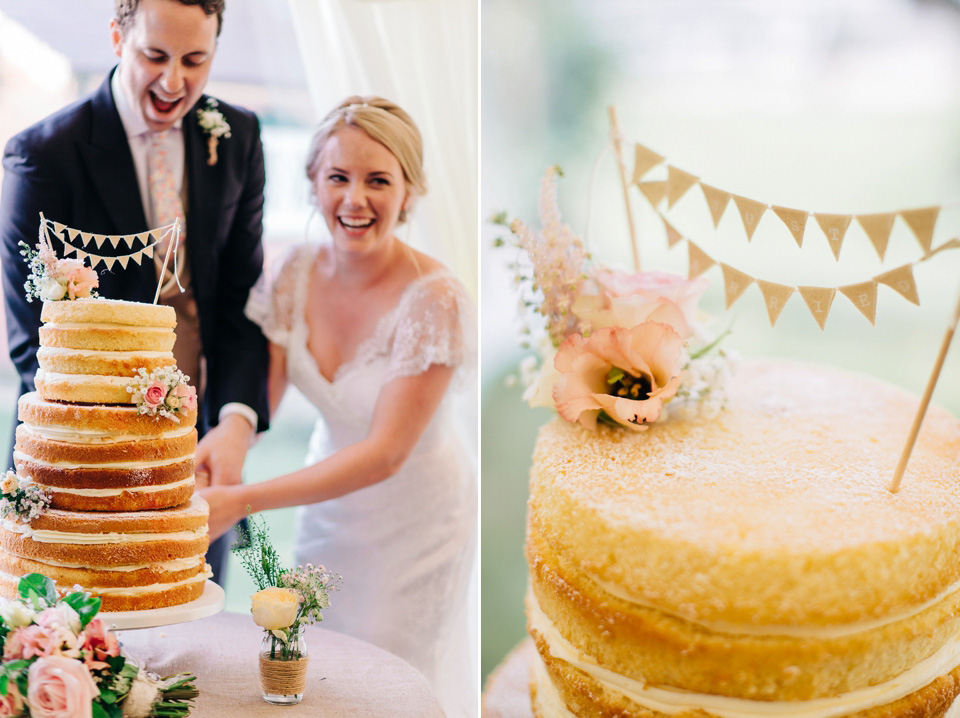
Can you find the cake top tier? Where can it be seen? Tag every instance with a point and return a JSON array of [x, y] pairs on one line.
[[109, 311], [788, 486]]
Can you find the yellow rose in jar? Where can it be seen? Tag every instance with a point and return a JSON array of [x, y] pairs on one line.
[[274, 608]]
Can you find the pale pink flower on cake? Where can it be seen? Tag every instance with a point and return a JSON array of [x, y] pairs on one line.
[[187, 395], [11, 705], [81, 281], [626, 300], [99, 643], [155, 394], [649, 355], [60, 688]]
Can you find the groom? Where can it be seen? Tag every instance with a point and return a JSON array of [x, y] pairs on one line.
[[131, 157]]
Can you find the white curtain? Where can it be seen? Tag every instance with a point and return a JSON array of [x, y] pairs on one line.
[[421, 54]]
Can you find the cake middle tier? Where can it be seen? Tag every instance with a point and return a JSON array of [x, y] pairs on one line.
[[98, 458]]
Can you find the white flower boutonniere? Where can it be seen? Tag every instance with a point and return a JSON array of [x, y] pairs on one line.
[[215, 125]]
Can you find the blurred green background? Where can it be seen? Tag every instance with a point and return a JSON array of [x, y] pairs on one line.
[[840, 106]]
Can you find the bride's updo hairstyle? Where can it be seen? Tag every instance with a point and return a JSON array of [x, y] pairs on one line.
[[386, 123]]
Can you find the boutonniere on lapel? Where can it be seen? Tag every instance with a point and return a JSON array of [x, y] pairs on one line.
[[215, 125]]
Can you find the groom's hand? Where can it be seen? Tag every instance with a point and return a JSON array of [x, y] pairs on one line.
[[221, 453]]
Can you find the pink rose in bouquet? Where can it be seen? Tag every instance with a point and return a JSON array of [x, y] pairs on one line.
[[626, 300], [187, 395], [625, 373], [11, 705], [60, 687], [155, 394], [98, 644], [30, 641]]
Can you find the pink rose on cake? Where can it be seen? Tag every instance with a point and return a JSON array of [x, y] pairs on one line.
[[624, 374], [626, 300], [155, 394], [60, 687], [81, 282], [187, 396]]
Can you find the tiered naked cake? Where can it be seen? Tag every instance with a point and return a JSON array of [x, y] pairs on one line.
[[751, 564], [123, 522]]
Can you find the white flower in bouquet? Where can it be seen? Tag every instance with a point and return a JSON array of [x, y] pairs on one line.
[[15, 613], [275, 608]]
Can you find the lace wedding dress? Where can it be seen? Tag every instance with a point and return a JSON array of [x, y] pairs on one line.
[[406, 545]]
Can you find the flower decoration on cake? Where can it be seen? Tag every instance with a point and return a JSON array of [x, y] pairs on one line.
[[215, 125], [51, 278], [59, 660], [288, 598], [22, 499], [165, 392], [621, 348]]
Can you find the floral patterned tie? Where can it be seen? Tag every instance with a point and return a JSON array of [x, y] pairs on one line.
[[166, 202]]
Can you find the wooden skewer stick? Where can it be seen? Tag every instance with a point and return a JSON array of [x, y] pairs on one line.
[[615, 131], [925, 401], [166, 257]]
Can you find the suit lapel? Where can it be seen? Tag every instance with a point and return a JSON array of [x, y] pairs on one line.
[[204, 197]]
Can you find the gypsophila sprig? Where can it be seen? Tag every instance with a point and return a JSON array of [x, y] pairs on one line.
[[314, 584], [165, 392], [53, 638], [21, 498]]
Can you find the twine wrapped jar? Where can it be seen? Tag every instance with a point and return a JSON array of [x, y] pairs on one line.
[[283, 668]]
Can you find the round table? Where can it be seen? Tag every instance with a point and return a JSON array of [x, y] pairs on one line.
[[507, 692], [345, 676]]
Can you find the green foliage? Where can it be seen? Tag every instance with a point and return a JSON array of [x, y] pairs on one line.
[[257, 555], [38, 591], [86, 606]]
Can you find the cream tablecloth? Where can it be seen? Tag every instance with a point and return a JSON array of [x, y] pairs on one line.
[[346, 677]]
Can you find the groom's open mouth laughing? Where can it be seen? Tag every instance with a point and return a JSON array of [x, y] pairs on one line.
[[163, 106]]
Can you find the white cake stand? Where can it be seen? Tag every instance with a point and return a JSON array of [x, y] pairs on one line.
[[210, 602]]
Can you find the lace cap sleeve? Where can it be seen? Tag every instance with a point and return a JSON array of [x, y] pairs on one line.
[[274, 297], [437, 325]]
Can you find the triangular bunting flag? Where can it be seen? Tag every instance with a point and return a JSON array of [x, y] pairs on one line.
[[864, 298], [148, 251], [750, 212], [644, 161], [58, 229], [949, 244], [156, 235], [735, 283], [72, 233], [819, 300], [653, 191], [795, 219], [922, 222], [80, 255], [678, 182], [144, 237], [95, 259], [85, 237], [775, 296], [877, 227], [673, 236], [136, 256], [717, 201], [114, 239], [123, 261], [109, 262], [699, 261], [901, 280], [99, 239], [834, 228], [68, 249]]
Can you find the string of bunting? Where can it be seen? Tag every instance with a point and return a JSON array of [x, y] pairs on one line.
[[877, 227], [149, 239]]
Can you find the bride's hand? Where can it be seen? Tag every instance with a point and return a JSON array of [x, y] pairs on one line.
[[226, 508]]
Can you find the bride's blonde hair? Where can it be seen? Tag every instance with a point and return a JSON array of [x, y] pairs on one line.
[[385, 122]]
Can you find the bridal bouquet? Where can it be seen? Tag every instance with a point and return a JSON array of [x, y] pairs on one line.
[[624, 349], [60, 661]]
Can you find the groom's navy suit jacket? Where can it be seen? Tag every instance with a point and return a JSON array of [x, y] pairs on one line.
[[76, 167]]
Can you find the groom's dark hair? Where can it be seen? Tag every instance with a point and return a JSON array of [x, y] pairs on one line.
[[126, 9]]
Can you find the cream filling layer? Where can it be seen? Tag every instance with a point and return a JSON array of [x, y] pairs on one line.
[[836, 631], [74, 435], [106, 325], [73, 537], [52, 376], [108, 465], [130, 590], [673, 701], [177, 564], [101, 353], [117, 492], [548, 698]]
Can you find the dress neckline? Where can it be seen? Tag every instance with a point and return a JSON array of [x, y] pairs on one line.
[[363, 347]]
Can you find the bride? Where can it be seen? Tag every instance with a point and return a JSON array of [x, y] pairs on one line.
[[376, 335]]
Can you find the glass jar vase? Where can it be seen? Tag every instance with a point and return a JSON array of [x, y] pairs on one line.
[[283, 668]]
